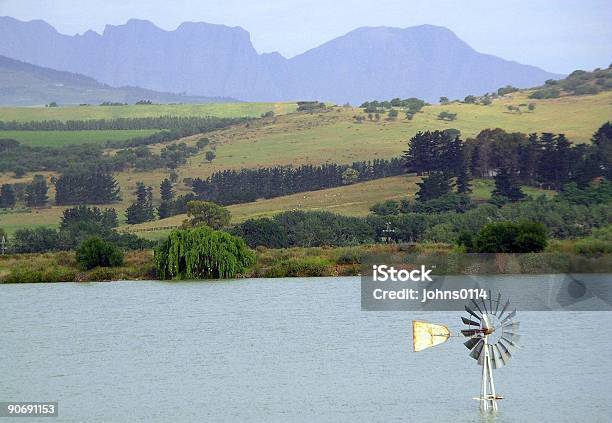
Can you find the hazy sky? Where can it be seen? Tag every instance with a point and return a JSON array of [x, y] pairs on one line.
[[559, 36]]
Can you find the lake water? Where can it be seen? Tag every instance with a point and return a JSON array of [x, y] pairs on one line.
[[280, 350]]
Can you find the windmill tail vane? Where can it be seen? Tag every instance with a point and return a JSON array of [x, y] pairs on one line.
[[492, 339]]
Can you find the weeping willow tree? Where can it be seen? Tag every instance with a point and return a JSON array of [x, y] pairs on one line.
[[202, 253]]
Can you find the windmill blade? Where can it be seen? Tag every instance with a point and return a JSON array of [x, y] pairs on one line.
[[469, 322], [469, 310], [502, 357], [497, 302], [469, 332], [504, 352], [510, 348], [494, 359], [511, 338], [508, 317], [471, 343], [504, 308], [477, 351], [484, 306], [511, 327], [477, 307], [490, 301]]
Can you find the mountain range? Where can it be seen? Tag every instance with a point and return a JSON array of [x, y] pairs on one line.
[[24, 84], [202, 59]]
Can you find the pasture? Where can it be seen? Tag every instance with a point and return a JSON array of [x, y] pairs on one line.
[[63, 138]]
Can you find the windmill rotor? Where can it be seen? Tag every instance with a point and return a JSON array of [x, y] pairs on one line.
[[492, 336], [497, 325]]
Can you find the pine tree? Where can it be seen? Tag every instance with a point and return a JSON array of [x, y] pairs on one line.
[[435, 185], [36, 192], [7, 196], [602, 140], [464, 185], [167, 196], [507, 186], [166, 190], [142, 209], [83, 186]]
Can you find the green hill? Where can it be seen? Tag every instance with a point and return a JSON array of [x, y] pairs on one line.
[[332, 135]]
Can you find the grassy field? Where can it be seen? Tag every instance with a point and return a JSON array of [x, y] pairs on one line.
[[335, 136], [331, 136], [61, 138], [350, 200], [25, 114]]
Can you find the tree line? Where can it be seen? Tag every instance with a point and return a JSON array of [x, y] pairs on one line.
[[20, 159], [246, 185], [513, 159], [565, 216], [159, 122]]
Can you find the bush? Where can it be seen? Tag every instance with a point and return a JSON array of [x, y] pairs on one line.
[[300, 267], [20, 274], [36, 240], [592, 247], [96, 252], [263, 232], [510, 237]]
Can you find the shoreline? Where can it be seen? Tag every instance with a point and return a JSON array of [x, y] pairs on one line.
[[299, 262]]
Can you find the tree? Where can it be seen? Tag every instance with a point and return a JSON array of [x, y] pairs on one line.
[[141, 210], [202, 253], [510, 237], [602, 139], [434, 151], [447, 116], [206, 213], [37, 240], [36, 192], [7, 196], [393, 113], [444, 100], [95, 252], [86, 186], [84, 216], [470, 99], [261, 232], [463, 180], [531, 107], [507, 187], [386, 208], [167, 196], [202, 142], [350, 176], [433, 186], [556, 154], [210, 155]]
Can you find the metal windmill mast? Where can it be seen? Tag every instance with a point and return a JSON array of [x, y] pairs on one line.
[[493, 337]]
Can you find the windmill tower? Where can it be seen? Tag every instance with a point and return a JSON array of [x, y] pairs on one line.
[[493, 337]]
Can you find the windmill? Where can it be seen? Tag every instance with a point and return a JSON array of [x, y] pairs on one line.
[[493, 337]]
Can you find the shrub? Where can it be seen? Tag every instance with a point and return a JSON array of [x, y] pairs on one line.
[[35, 240], [510, 237], [592, 246], [350, 255], [96, 252], [21, 274], [300, 267]]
